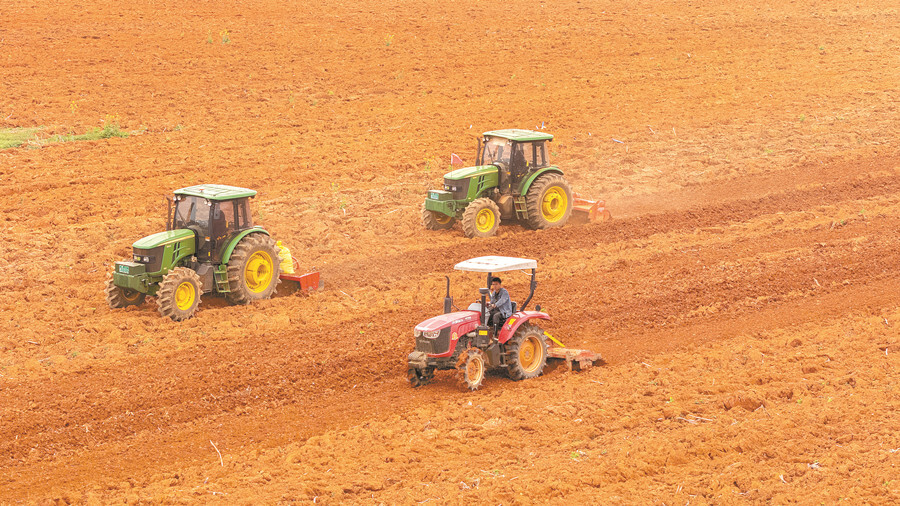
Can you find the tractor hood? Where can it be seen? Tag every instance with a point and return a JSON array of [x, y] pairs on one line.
[[445, 320], [467, 172], [163, 238]]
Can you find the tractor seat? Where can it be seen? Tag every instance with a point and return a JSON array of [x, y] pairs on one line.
[[513, 307]]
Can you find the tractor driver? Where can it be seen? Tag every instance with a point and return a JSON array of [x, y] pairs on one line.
[[500, 304]]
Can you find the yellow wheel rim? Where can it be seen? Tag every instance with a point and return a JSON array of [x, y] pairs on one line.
[[530, 354], [474, 370], [484, 220], [185, 295], [258, 272], [554, 205], [441, 218]]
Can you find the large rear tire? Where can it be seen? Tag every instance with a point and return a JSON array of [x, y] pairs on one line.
[[526, 353], [481, 218], [549, 202], [471, 367], [434, 220], [253, 269], [179, 294], [118, 297]]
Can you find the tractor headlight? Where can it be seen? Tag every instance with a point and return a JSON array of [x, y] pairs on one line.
[[417, 332], [431, 334]]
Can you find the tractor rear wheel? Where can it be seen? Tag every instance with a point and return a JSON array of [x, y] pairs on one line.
[[253, 269], [179, 294], [526, 353], [419, 377], [549, 202], [434, 220], [471, 366], [481, 218], [118, 297]]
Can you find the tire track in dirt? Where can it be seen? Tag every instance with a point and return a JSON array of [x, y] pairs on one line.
[[136, 457], [753, 187], [537, 244], [200, 385]]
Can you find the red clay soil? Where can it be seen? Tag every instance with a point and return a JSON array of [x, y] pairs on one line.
[[744, 297]]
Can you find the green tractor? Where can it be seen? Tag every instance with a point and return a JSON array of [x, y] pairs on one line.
[[210, 245], [512, 179]]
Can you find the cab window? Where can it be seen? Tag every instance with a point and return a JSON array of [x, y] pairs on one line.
[[497, 149], [540, 154], [243, 209], [190, 210]]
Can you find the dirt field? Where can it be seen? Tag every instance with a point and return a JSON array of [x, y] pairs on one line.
[[744, 297]]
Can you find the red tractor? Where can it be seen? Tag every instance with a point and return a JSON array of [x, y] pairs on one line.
[[464, 340]]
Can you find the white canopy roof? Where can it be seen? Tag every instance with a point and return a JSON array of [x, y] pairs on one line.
[[495, 264]]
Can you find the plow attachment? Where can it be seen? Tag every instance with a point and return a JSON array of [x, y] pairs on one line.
[[590, 210], [576, 360], [307, 282]]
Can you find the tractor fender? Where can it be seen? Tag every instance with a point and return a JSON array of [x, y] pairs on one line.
[[531, 179], [226, 255], [516, 320]]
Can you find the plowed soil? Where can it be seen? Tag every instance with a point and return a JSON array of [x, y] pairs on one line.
[[744, 296]]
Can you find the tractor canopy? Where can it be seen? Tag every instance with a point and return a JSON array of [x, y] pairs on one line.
[[495, 264]]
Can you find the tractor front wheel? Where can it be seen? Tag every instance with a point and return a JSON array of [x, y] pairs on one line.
[[253, 269], [549, 202], [419, 377], [434, 220], [179, 294], [471, 366], [481, 218], [118, 297], [526, 353]]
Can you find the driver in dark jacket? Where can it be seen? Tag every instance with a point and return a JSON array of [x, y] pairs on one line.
[[500, 305]]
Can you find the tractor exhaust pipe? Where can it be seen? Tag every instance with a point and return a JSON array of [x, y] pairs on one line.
[[169, 214], [448, 300], [533, 288]]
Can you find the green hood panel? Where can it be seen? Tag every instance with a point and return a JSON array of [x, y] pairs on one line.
[[466, 173], [161, 238]]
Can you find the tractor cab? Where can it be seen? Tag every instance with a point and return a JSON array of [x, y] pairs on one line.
[[515, 153], [215, 213]]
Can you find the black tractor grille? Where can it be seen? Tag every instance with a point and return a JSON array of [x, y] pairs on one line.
[[436, 346], [424, 344], [459, 188]]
